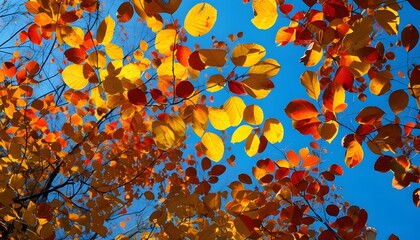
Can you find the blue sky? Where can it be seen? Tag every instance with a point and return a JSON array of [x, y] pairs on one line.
[[390, 210]]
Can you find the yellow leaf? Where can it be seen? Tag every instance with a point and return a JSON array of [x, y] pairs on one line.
[[234, 107], [389, 19], [265, 13], [312, 55], [273, 130], [258, 86], [251, 145], [97, 59], [177, 124], [268, 67], [200, 19], [73, 76], [73, 36], [42, 19], [241, 133], [96, 98], [285, 35], [329, 130], [212, 146], [381, 84], [121, 237], [360, 35], [215, 83], [213, 57], [219, 119], [130, 71], [354, 154], [310, 81], [105, 31], [165, 71], [357, 67], [247, 55], [253, 114], [114, 51], [154, 22], [165, 40], [163, 135]]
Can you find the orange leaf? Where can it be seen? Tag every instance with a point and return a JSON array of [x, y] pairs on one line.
[[293, 158], [354, 154], [76, 55], [369, 115], [301, 109]]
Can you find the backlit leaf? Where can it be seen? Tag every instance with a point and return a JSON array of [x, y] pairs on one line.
[[381, 83], [369, 115], [398, 101], [76, 55], [312, 55], [251, 145], [265, 13], [163, 135], [213, 146], [241, 133], [334, 97], [114, 51], [125, 12], [389, 19], [73, 77], [409, 37], [234, 107], [301, 109], [285, 35], [105, 31], [213, 57], [329, 130], [354, 154], [219, 119], [293, 158], [215, 83], [236, 87], [184, 89], [182, 54], [200, 19], [165, 40], [247, 55], [310, 81], [345, 77], [268, 67], [258, 86], [253, 114], [273, 130]]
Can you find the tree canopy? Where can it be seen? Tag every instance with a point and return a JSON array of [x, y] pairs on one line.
[[127, 119]]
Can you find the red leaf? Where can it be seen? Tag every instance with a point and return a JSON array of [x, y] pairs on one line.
[[301, 109], [332, 210], [326, 235], [70, 16], [298, 176], [383, 164], [205, 163], [361, 220], [21, 76], [245, 178], [286, 8], [345, 77], [281, 173], [344, 223], [34, 34], [236, 87], [157, 95], [308, 126], [313, 188], [267, 164], [409, 37], [415, 4], [368, 54], [217, 170], [125, 12], [334, 9], [184, 89], [9, 69], [137, 97], [182, 55], [310, 3], [195, 61], [76, 55], [364, 129], [263, 144], [336, 169]]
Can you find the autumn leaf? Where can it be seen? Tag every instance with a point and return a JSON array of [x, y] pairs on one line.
[[310, 81], [273, 130], [105, 31], [247, 55], [200, 19], [241, 133], [265, 13], [301, 109], [73, 76], [213, 146], [354, 154]]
